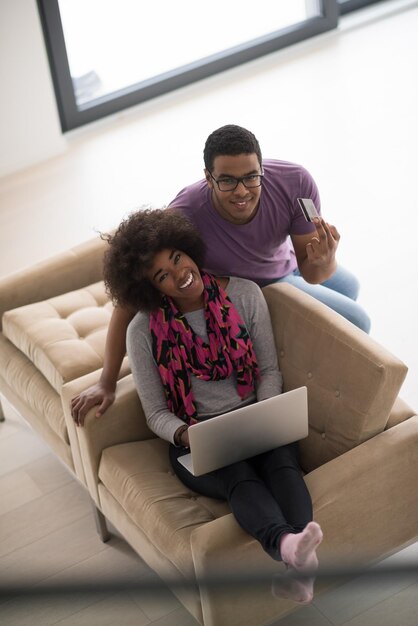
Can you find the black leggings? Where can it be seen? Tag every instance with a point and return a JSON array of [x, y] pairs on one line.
[[267, 493]]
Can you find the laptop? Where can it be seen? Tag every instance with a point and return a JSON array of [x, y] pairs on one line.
[[247, 431]]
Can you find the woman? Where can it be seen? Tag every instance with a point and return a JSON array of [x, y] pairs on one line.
[[201, 346]]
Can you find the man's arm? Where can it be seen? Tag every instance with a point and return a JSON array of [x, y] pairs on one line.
[[103, 393], [315, 252]]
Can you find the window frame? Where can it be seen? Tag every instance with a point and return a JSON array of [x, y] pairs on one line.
[[73, 116], [346, 6]]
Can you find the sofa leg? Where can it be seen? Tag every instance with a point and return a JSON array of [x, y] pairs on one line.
[[101, 527]]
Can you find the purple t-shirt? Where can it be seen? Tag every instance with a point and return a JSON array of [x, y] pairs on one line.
[[259, 250]]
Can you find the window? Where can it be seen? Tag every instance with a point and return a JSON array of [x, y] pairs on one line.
[[107, 55], [122, 48]]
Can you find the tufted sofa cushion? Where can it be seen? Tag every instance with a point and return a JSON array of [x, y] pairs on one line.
[[140, 478], [64, 336]]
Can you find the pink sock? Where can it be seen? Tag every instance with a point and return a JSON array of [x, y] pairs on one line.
[[299, 550]]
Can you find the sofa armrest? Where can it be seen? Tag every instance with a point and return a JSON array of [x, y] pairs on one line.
[[352, 380], [353, 500], [222, 548], [124, 421], [367, 499], [400, 412], [67, 271], [68, 391]]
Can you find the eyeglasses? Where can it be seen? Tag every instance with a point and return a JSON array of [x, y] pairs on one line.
[[229, 183]]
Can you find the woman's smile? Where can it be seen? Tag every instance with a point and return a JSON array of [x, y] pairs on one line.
[[176, 275], [188, 282]]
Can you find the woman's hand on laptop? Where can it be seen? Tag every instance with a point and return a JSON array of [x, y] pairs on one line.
[[181, 437]]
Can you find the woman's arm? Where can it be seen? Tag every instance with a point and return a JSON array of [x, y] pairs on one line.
[[148, 384], [103, 393]]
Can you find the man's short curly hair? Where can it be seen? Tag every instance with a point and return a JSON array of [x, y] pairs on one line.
[[230, 140], [133, 247]]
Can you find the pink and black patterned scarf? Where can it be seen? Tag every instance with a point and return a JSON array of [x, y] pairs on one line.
[[179, 352]]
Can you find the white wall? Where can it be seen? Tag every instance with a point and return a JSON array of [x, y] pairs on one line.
[[29, 125]]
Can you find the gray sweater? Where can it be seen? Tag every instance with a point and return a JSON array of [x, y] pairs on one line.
[[211, 397]]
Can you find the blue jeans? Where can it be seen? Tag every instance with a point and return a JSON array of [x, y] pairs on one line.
[[338, 292]]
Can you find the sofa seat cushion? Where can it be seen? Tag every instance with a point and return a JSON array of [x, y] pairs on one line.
[[64, 336], [140, 478]]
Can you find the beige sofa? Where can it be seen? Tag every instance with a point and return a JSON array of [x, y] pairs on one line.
[[362, 445]]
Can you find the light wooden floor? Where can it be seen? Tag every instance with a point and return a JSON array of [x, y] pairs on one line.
[[48, 536], [344, 105]]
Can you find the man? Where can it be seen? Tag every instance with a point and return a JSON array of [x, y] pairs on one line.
[[246, 210]]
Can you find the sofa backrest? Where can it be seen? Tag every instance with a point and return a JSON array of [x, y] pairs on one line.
[[352, 381]]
